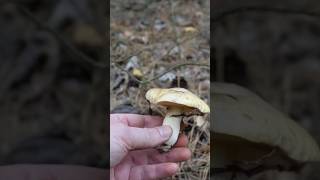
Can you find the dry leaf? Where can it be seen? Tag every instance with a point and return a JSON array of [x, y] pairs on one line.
[[190, 29], [137, 73]]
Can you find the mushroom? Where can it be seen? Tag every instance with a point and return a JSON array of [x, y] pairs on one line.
[[249, 130], [179, 103]]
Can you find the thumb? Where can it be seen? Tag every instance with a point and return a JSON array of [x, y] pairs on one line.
[[138, 138]]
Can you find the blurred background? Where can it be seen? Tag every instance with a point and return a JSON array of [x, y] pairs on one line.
[[53, 91], [163, 44], [276, 55]]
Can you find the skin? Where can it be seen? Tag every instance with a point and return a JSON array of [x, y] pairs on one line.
[[132, 158], [136, 156]]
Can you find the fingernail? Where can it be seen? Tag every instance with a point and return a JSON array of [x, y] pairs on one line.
[[165, 131]]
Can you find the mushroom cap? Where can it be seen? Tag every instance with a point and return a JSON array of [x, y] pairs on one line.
[[241, 113], [177, 97]]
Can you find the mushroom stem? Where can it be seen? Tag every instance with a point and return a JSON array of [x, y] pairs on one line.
[[174, 123]]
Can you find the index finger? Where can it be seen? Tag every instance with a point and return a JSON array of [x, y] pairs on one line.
[[136, 120]]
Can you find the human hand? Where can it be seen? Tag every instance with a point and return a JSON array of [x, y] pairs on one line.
[[132, 142]]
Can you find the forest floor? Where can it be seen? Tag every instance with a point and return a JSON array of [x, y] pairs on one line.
[[163, 44]]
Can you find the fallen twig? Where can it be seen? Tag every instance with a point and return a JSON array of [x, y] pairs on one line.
[[158, 76]]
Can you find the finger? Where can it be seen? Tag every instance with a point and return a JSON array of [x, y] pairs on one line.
[[152, 156], [155, 171], [175, 155], [137, 138], [136, 120], [61, 172], [182, 141]]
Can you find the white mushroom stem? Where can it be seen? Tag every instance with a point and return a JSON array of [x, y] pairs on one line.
[[174, 123]]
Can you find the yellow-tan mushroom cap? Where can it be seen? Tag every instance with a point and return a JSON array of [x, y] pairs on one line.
[[177, 97]]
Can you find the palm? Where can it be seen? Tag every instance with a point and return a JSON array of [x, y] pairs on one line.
[[151, 162], [143, 163]]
